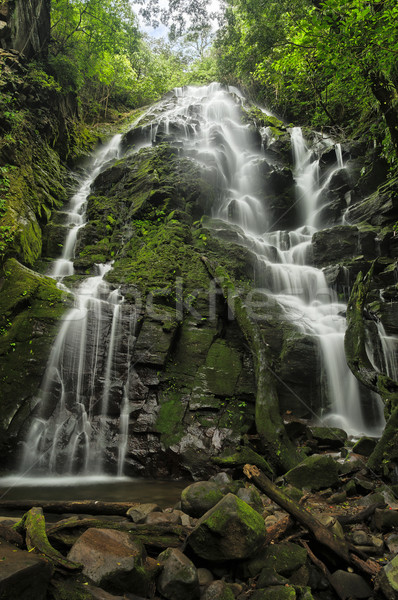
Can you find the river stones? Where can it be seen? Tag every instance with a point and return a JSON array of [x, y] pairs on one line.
[[314, 473], [199, 497], [218, 590], [179, 577], [112, 559], [230, 530]]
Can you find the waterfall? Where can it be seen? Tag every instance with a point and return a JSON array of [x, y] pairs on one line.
[[217, 138], [70, 429], [89, 374]]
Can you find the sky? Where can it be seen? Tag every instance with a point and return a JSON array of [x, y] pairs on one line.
[[162, 31]]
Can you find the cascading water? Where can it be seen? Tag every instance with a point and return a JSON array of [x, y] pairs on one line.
[[207, 122], [69, 432], [87, 382]]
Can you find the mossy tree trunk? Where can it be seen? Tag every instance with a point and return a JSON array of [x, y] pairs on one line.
[[359, 363]]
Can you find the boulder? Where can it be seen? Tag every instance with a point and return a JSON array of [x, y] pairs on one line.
[[200, 497], [365, 446], [23, 575], [179, 577], [112, 559], [331, 437], [350, 585], [314, 473], [230, 530]]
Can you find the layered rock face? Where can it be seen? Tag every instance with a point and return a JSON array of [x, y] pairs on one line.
[[25, 27], [206, 336]]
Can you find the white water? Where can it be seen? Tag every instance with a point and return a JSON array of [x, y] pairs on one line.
[[69, 433], [208, 122]]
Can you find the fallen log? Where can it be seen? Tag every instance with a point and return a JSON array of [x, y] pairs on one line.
[[91, 507], [34, 526], [324, 536], [162, 535], [320, 532], [360, 516]]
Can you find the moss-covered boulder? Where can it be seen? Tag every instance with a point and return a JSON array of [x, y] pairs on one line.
[[200, 497], [230, 530], [218, 590], [330, 437], [314, 473]]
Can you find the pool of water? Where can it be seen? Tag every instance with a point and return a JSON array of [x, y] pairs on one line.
[[106, 489]]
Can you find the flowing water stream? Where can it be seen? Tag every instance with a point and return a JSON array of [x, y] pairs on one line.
[[207, 124]]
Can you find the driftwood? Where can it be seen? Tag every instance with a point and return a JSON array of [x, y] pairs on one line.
[[91, 507], [161, 535], [34, 526], [324, 536], [276, 530]]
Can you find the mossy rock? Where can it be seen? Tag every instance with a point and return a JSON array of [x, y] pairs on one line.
[[314, 473], [276, 592], [199, 497], [31, 306], [231, 530]]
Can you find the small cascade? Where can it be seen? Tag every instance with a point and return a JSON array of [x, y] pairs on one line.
[[383, 351], [69, 433]]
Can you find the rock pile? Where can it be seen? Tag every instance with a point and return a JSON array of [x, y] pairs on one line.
[[225, 539]]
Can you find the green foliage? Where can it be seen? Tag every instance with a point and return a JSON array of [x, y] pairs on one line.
[[326, 63]]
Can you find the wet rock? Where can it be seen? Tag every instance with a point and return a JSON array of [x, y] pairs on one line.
[[112, 559], [351, 585], [314, 473], [218, 590], [330, 437], [23, 575], [365, 446], [230, 530], [342, 243], [10, 535], [179, 578], [276, 592], [153, 344], [200, 497]]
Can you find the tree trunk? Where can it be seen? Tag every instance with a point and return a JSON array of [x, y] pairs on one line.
[[30, 24], [385, 92]]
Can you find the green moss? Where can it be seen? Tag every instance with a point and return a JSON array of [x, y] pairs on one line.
[[169, 421]]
